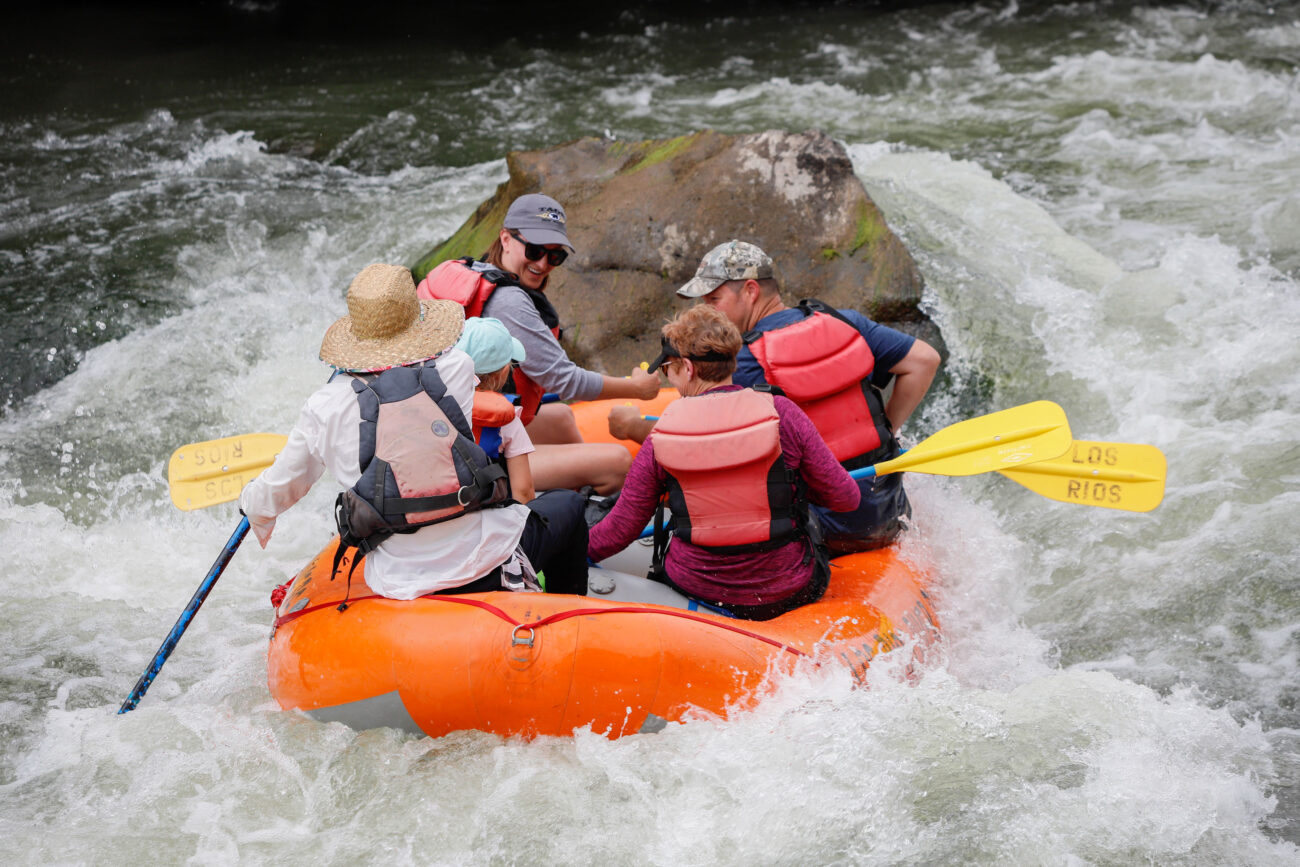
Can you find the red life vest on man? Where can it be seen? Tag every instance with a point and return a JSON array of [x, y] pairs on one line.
[[824, 365], [470, 284], [728, 486]]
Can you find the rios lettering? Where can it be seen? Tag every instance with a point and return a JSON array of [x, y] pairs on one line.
[[1094, 492]]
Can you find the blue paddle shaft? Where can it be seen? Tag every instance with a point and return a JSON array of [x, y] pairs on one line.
[[183, 622], [548, 397]]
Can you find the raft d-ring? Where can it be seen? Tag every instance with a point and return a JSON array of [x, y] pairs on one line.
[[515, 639]]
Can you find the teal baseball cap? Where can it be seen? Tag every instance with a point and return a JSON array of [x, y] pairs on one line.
[[489, 343]]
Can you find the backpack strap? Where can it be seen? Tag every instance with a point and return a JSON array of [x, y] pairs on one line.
[[662, 532], [768, 388]]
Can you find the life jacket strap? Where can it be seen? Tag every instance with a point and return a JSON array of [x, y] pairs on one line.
[[348, 542], [660, 550]]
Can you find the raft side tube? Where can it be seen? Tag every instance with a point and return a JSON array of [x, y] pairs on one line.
[[540, 664]]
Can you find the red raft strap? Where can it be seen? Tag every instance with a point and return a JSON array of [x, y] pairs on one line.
[[561, 615], [294, 615]]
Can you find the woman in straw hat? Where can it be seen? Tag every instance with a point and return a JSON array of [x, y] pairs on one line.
[[388, 340]]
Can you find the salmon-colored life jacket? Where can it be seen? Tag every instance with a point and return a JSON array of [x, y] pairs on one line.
[[465, 281], [419, 464], [728, 486], [491, 412], [824, 365], [470, 284]]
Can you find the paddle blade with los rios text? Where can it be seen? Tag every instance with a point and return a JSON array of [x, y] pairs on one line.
[[1127, 476], [207, 473]]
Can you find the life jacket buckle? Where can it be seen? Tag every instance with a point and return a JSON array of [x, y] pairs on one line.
[[515, 639]]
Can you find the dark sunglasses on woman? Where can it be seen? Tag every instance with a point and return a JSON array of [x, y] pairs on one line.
[[534, 252]]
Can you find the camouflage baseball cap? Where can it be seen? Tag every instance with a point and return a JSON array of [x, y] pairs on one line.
[[734, 260]]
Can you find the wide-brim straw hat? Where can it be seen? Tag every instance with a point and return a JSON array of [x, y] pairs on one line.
[[388, 325]]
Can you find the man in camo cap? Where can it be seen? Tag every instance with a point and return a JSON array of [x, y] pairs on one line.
[[734, 260], [834, 364]]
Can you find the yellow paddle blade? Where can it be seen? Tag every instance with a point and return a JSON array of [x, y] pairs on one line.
[[1125, 476], [1030, 432], [207, 473]]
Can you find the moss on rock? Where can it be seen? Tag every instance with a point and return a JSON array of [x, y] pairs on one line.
[[655, 152]]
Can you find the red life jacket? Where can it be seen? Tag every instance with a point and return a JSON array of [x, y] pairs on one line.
[[470, 284], [458, 280], [824, 365], [728, 486]]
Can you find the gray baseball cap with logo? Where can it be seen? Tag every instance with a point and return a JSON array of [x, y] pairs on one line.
[[538, 219], [733, 260]]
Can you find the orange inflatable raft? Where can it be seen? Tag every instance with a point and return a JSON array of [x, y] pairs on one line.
[[630, 657]]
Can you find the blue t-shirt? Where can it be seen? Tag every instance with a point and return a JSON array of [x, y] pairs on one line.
[[888, 345]]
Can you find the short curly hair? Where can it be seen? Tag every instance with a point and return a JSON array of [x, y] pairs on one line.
[[699, 330]]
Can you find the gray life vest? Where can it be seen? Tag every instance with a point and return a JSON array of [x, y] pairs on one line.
[[419, 462]]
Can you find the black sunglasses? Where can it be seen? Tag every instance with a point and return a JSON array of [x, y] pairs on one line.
[[534, 252]]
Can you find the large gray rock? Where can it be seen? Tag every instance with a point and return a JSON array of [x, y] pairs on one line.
[[641, 215]]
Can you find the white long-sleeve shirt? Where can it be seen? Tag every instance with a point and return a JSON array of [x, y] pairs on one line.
[[405, 565]]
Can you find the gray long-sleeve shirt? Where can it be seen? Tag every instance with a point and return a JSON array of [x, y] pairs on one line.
[[546, 363]]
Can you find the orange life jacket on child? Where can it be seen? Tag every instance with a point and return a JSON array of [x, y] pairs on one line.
[[491, 412]]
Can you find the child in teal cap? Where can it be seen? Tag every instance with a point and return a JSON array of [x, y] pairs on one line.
[[602, 466], [496, 423]]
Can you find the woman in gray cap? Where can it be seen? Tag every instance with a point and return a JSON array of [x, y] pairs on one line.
[[511, 287]]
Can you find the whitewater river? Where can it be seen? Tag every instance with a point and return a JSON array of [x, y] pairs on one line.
[[1104, 204]]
